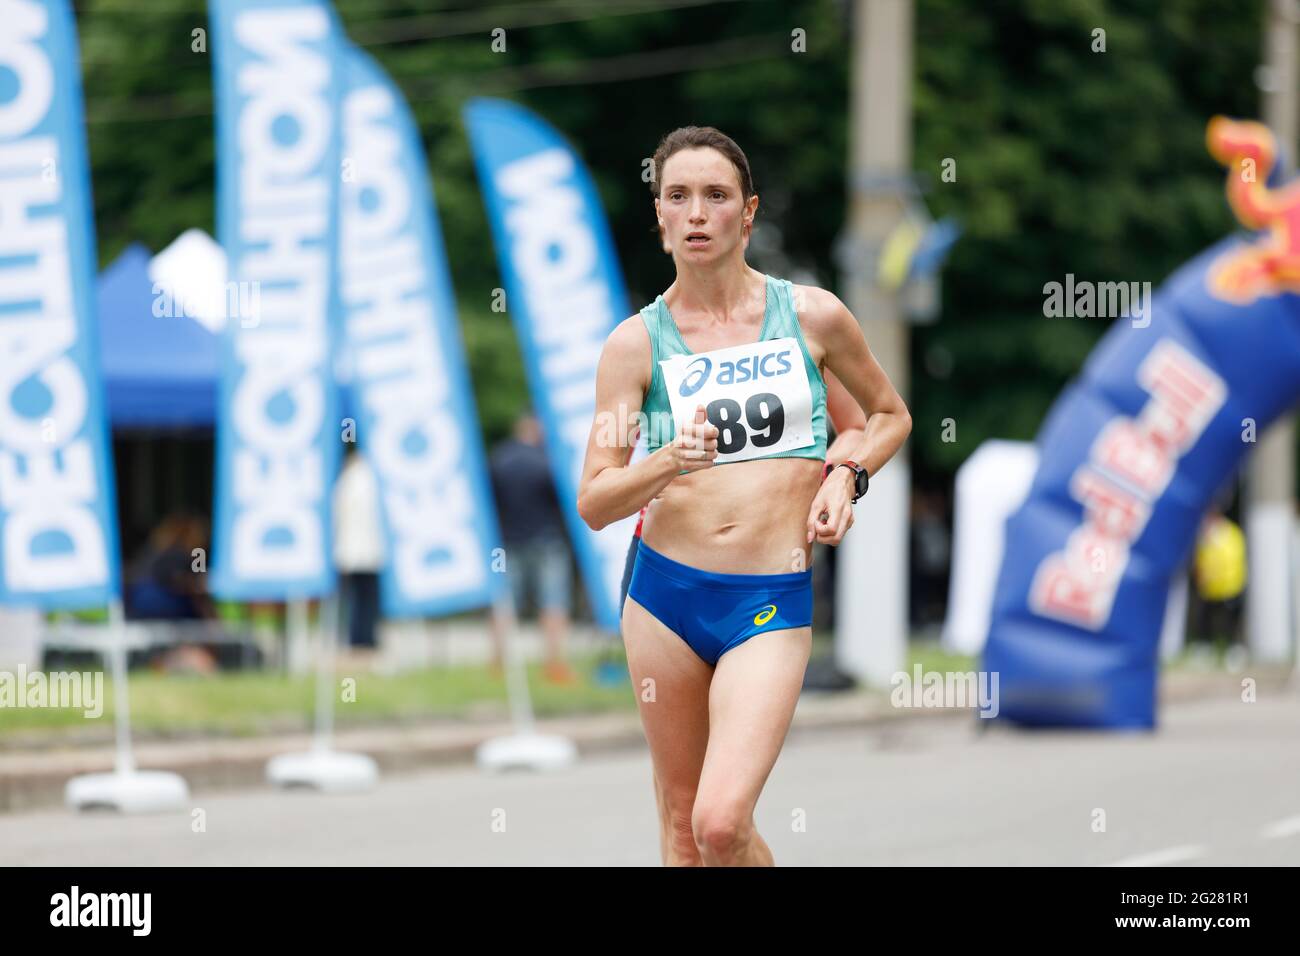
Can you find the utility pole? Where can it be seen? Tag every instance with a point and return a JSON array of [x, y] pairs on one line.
[[1270, 486], [871, 625]]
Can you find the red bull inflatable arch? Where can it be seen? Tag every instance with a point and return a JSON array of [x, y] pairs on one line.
[[1133, 452]]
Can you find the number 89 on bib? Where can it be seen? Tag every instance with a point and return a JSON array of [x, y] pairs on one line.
[[757, 396]]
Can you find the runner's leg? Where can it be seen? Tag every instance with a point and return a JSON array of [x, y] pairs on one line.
[[752, 699], [672, 688]]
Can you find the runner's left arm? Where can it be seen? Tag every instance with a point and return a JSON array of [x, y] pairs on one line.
[[846, 415], [847, 355]]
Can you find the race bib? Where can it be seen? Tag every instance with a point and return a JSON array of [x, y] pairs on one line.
[[757, 396]]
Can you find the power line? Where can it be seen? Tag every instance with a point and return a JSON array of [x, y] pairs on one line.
[[432, 27], [91, 8], [397, 30], [630, 66]]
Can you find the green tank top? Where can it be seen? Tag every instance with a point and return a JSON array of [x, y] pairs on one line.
[[779, 321]]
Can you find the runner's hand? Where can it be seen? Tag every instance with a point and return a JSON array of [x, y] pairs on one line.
[[831, 514], [696, 443]]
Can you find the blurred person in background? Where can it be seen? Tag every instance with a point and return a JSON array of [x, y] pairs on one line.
[[162, 583], [358, 555], [1219, 571], [165, 585], [536, 546], [930, 556]]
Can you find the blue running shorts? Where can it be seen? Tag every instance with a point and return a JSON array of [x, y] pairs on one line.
[[715, 612]]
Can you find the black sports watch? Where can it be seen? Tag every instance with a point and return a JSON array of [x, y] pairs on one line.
[[860, 477]]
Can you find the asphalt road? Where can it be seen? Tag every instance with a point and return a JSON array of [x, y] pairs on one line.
[[1218, 784]]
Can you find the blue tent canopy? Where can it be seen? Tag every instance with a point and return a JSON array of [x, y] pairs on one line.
[[159, 371]]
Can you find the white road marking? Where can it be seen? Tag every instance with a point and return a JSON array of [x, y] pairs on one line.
[[1282, 828], [1175, 854]]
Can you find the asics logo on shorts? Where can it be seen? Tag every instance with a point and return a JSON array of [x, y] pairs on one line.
[[696, 377], [765, 615]]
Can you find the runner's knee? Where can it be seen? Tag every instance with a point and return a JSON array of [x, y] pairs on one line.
[[678, 803], [720, 829]]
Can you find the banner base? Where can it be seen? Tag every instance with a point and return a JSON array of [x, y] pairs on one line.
[[130, 791], [328, 771], [526, 752]]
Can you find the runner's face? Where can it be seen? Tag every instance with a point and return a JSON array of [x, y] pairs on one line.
[[701, 198]]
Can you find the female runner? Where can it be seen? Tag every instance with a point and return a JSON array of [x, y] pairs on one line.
[[717, 620], [842, 409]]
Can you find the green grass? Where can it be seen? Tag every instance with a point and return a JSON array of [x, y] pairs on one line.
[[1199, 656], [246, 703], [249, 703], [932, 657]]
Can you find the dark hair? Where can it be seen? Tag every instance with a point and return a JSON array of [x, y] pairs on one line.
[[696, 137]]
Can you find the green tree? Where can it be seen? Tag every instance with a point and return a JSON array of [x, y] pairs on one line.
[[1068, 160]]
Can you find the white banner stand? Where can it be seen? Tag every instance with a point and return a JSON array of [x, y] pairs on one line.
[[297, 638], [990, 486], [126, 789], [525, 749], [323, 768], [1173, 632]]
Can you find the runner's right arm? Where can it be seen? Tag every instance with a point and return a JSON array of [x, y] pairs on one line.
[[611, 488]]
